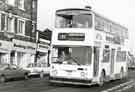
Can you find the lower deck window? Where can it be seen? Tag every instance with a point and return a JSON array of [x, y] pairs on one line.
[[106, 55], [121, 56]]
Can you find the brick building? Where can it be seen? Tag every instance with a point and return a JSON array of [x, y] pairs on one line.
[[18, 20]]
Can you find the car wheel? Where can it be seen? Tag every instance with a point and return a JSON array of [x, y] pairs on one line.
[[26, 76], [2, 79]]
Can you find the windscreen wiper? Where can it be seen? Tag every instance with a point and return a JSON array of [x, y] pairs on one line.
[[76, 61]]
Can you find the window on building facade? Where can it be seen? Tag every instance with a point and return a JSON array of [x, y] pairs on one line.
[[3, 18], [10, 2], [7, 23], [21, 27], [10, 24], [33, 4], [21, 4]]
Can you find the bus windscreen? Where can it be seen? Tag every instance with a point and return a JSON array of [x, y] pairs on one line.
[[72, 55]]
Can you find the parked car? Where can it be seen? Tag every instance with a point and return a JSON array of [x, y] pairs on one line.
[[12, 71], [38, 69]]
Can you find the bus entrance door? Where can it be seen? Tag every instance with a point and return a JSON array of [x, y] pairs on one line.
[[112, 61], [96, 61]]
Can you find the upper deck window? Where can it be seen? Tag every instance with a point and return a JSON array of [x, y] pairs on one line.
[[73, 20]]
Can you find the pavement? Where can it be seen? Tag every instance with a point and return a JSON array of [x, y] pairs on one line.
[[42, 85]]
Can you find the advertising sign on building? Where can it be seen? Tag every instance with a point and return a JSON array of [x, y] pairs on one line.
[[24, 46]]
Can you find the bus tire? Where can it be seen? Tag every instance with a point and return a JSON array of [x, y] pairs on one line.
[[102, 79]]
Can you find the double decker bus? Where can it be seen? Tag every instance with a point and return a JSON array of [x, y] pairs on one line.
[[87, 48]]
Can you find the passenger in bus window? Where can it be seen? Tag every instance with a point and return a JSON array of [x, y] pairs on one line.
[[61, 57]]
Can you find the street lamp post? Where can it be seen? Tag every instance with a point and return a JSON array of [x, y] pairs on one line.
[[34, 28], [36, 49]]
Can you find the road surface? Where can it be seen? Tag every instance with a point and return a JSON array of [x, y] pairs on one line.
[[42, 85]]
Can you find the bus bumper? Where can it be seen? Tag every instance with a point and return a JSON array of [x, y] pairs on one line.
[[71, 81]]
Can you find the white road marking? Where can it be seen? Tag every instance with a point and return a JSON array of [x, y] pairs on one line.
[[118, 86], [127, 87]]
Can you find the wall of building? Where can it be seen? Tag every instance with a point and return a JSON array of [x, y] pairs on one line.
[[28, 13], [18, 22]]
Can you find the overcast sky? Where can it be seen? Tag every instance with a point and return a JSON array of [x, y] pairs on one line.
[[121, 11]]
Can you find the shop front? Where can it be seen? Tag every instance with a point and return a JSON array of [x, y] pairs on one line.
[[5, 52], [24, 52], [43, 48]]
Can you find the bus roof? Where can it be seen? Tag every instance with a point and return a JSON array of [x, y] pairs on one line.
[[67, 9], [73, 11], [86, 11]]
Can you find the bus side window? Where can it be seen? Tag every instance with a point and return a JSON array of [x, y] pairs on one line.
[[89, 55], [106, 55]]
